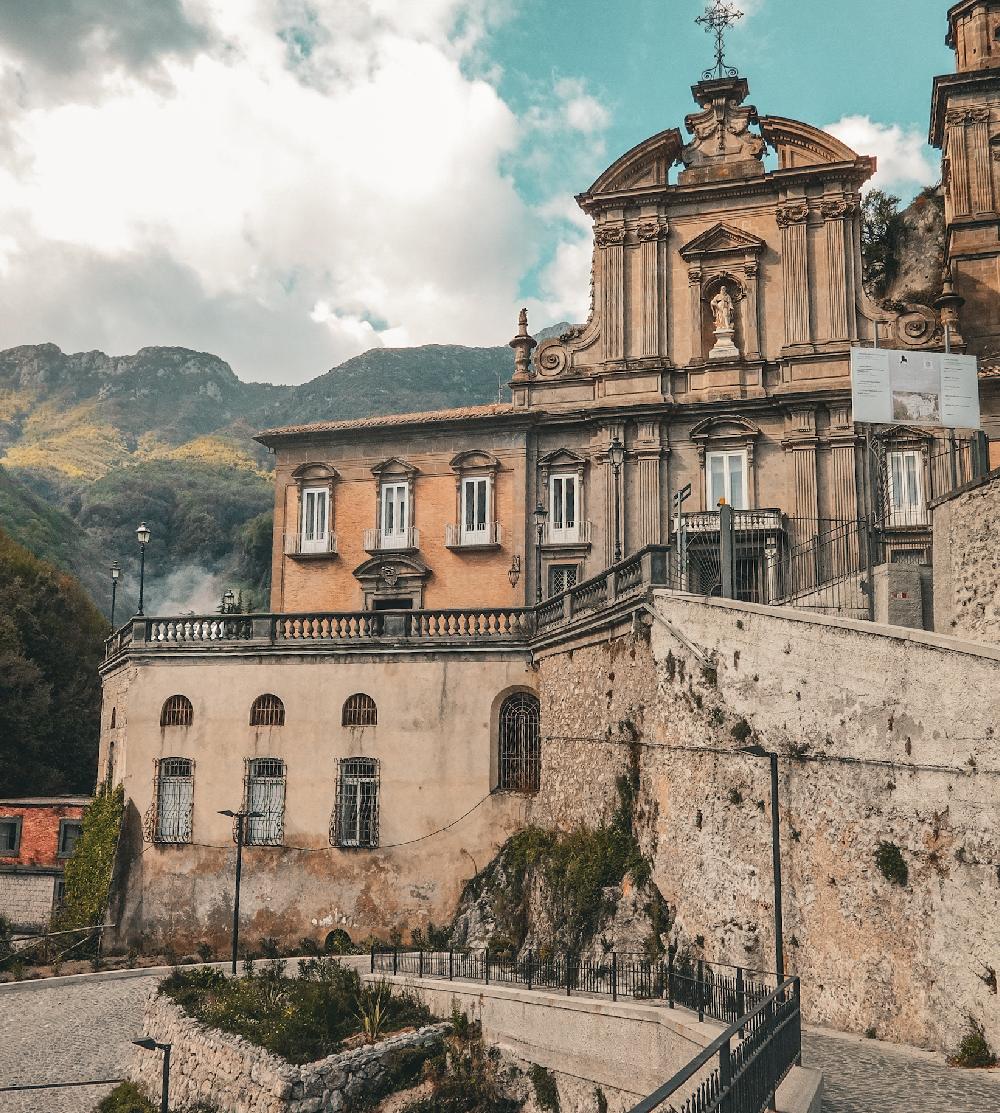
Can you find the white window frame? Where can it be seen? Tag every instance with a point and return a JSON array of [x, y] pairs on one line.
[[907, 506], [314, 530], [725, 455], [394, 528], [560, 528], [479, 532]]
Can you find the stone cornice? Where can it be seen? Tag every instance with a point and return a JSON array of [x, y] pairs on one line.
[[987, 81]]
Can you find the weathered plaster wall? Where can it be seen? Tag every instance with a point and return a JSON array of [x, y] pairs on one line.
[[437, 718], [967, 563], [26, 898], [885, 736]]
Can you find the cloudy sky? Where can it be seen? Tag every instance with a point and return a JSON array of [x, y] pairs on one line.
[[287, 183]]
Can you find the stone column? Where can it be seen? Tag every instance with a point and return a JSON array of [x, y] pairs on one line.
[[648, 453], [751, 321], [694, 288], [649, 234], [610, 239], [800, 443], [977, 143], [792, 219], [958, 163], [835, 215]]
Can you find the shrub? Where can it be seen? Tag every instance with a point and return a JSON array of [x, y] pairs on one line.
[[741, 730], [126, 1098], [890, 861], [337, 942], [89, 871], [465, 1078], [546, 1093], [6, 947], [204, 952], [974, 1050]]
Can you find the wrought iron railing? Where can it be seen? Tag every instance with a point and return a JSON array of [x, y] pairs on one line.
[[717, 991], [378, 541], [459, 537]]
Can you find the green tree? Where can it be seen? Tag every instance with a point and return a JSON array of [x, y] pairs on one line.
[[880, 228]]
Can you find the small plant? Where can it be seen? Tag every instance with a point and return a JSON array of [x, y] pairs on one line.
[[870, 1033], [974, 1050], [338, 942], [741, 731], [269, 947], [204, 951], [735, 797], [890, 861], [308, 946], [126, 1098], [372, 1008], [546, 1092], [6, 936]]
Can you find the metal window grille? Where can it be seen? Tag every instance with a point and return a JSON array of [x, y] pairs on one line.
[[520, 751], [355, 817], [562, 577], [177, 712], [267, 711], [114, 717], [264, 792], [360, 711], [173, 800]]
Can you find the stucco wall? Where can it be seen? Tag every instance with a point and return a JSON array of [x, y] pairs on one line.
[[434, 739], [885, 736], [967, 563]]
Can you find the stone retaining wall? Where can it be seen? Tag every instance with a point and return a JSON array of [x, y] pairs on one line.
[[240, 1077]]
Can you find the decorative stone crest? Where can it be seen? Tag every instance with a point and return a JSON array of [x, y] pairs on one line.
[[722, 145]]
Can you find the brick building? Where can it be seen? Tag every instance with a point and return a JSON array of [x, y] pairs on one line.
[[37, 835]]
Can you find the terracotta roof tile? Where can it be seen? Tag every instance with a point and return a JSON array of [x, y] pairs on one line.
[[380, 421]]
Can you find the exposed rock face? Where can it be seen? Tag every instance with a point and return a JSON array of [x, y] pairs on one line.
[[919, 251]]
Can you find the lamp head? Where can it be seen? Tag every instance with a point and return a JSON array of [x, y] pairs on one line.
[[146, 1042], [228, 813], [514, 572], [142, 534], [540, 515], [616, 453], [115, 570], [229, 598]]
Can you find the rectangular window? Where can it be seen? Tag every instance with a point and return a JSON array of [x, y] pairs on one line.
[[265, 794], [60, 893], [10, 836], [475, 510], [562, 577], [70, 831], [906, 496], [174, 799], [394, 516], [355, 820], [315, 519], [564, 524], [726, 478]]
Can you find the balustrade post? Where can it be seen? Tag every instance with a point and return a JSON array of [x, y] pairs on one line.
[[569, 975], [614, 975], [701, 990], [567, 606], [262, 628], [420, 963], [741, 1009], [670, 977], [529, 968], [140, 631]]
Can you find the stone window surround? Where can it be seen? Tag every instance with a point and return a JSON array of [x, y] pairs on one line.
[[727, 433], [17, 821], [63, 824], [476, 463], [395, 470], [314, 475], [564, 461], [394, 574]]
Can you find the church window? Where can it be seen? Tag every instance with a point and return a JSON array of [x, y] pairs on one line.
[[355, 819], [264, 792], [906, 496], [726, 479], [177, 712], [520, 752], [564, 524], [315, 520], [267, 711], [359, 711], [174, 797]]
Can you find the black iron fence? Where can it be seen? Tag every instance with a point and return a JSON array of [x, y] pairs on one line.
[[741, 1070], [714, 990]]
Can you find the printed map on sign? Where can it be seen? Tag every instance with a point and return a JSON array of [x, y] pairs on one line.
[[915, 388]]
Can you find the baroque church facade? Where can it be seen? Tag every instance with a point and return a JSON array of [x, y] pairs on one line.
[[714, 368]]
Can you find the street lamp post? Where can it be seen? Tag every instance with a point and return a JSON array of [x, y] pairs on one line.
[[149, 1044], [115, 576], [616, 455], [540, 515], [142, 536], [240, 817], [779, 950]]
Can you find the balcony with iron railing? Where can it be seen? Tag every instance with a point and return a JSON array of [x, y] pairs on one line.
[[302, 548], [458, 537], [403, 541]]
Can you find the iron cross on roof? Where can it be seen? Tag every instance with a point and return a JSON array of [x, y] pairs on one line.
[[718, 18]]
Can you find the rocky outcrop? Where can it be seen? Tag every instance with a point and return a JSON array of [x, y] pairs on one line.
[[918, 251]]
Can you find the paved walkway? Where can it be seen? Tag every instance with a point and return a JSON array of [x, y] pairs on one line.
[[868, 1076], [75, 1030]]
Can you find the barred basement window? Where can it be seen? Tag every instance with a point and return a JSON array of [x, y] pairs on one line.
[[267, 711], [355, 819], [360, 711], [114, 716], [264, 792], [520, 753], [177, 712], [174, 799], [562, 577]]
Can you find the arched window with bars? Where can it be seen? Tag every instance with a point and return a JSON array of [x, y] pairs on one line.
[[359, 711], [519, 764], [264, 793], [176, 712], [267, 711]]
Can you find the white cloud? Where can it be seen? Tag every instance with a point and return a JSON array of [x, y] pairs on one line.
[[580, 110], [564, 282], [303, 181], [904, 160]]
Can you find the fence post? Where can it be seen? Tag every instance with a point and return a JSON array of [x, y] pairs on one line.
[[529, 968], [486, 965], [614, 975], [670, 977], [395, 960], [980, 455], [568, 974], [373, 958], [701, 991], [727, 551], [451, 965], [421, 963], [741, 1003], [725, 1075]]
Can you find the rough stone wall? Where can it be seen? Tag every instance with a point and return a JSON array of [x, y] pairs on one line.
[[236, 1076], [885, 737], [967, 563], [26, 899]]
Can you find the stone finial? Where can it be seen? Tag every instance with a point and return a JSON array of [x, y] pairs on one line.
[[522, 344], [948, 306]]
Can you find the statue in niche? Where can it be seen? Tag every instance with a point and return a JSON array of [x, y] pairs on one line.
[[724, 311]]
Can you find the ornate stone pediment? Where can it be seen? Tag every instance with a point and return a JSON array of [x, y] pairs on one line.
[[563, 458], [394, 466], [318, 472], [722, 144], [723, 239], [475, 460], [645, 165]]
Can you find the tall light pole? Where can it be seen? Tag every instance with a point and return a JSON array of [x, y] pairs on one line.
[[540, 515], [779, 950], [149, 1044], [142, 536], [616, 455], [240, 817], [115, 576]]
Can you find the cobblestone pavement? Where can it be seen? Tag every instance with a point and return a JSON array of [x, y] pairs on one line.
[[867, 1076], [67, 1033]]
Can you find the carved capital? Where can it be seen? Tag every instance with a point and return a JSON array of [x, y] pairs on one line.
[[972, 114], [694, 276], [751, 270], [796, 212], [610, 235], [650, 230], [837, 208]]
